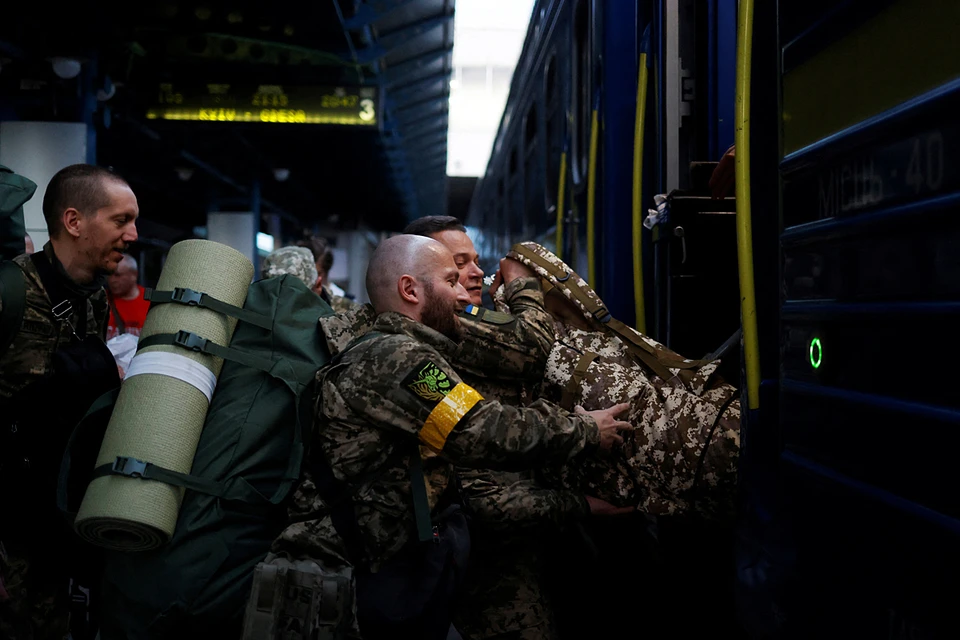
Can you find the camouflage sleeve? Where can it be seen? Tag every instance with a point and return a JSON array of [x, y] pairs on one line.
[[401, 384], [510, 348], [501, 502]]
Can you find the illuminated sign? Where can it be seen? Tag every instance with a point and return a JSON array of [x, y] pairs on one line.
[[272, 104]]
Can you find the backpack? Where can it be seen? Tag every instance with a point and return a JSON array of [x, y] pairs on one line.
[[246, 466], [13, 295], [15, 190]]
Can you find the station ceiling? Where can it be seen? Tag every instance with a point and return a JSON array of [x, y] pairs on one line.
[[332, 112]]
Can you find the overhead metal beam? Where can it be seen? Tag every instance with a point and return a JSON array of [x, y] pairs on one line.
[[421, 143], [397, 73], [404, 124], [403, 93], [425, 103], [372, 11], [412, 30]]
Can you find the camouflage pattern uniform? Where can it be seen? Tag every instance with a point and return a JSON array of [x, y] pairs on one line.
[[396, 387], [503, 357], [340, 304], [655, 469], [35, 605], [295, 261]]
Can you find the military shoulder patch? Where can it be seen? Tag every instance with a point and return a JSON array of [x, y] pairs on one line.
[[482, 314], [428, 382]]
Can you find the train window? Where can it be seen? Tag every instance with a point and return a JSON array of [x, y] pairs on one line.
[[582, 107], [554, 113], [532, 173]]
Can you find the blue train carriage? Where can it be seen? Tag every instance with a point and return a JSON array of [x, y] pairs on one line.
[[851, 521], [612, 102]]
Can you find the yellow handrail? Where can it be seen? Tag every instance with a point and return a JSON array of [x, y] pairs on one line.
[[592, 196], [748, 297], [637, 186], [561, 192]]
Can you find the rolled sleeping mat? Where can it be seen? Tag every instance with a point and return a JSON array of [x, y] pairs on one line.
[[163, 402]]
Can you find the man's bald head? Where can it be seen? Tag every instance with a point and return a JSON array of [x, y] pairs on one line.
[[401, 255], [417, 277]]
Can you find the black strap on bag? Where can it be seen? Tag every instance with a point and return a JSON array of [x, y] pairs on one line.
[[117, 318], [192, 298], [63, 303], [14, 295]]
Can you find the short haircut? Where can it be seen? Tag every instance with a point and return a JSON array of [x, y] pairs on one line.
[[429, 225], [79, 186]]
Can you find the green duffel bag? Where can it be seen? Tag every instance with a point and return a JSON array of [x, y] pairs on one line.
[[247, 464]]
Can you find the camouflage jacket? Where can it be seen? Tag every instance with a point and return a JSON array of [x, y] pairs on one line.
[[30, 354], [502, 356], [515, 348], [398, 390]]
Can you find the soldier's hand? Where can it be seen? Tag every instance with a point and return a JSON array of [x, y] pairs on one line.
[[608, 424], [511, 269], [496, 282]]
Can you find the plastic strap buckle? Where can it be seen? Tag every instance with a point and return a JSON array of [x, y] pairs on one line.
[[190, 341], [188, 297], [62, 310], [130, 467], [603, 316]]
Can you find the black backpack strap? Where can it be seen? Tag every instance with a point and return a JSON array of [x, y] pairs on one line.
[[193, 342], [193, 298], [14, 295], [121, 325], [60, 298], [426, 532]]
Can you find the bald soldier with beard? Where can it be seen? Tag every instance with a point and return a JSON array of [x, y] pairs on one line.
[[393, 415], [514, 515]]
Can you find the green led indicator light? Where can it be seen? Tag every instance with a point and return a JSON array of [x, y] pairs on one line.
[[816, 353]]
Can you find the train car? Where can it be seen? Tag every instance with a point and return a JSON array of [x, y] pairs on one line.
[[838, 257], [850, 259]]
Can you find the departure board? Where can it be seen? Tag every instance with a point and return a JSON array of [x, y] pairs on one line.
[[267, 104]]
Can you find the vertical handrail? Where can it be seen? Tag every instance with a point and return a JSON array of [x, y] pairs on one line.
[[748, 298], [592, 192], [561, 193], [638, 293]]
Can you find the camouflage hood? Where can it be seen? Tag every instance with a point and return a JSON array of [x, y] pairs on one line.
[[340, 329]]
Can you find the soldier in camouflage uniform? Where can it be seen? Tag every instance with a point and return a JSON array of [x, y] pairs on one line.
[[398, 389], [513, 513], [324, 262], [682, 457], [91, 216], [295, 261]]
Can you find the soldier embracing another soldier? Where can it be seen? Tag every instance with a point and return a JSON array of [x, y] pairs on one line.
[[521, 399]]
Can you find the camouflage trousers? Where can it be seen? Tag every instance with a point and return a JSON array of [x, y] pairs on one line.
[[33, 604], [504, 598], [682, 457]]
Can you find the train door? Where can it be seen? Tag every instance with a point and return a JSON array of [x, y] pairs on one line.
[[851, 522]]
